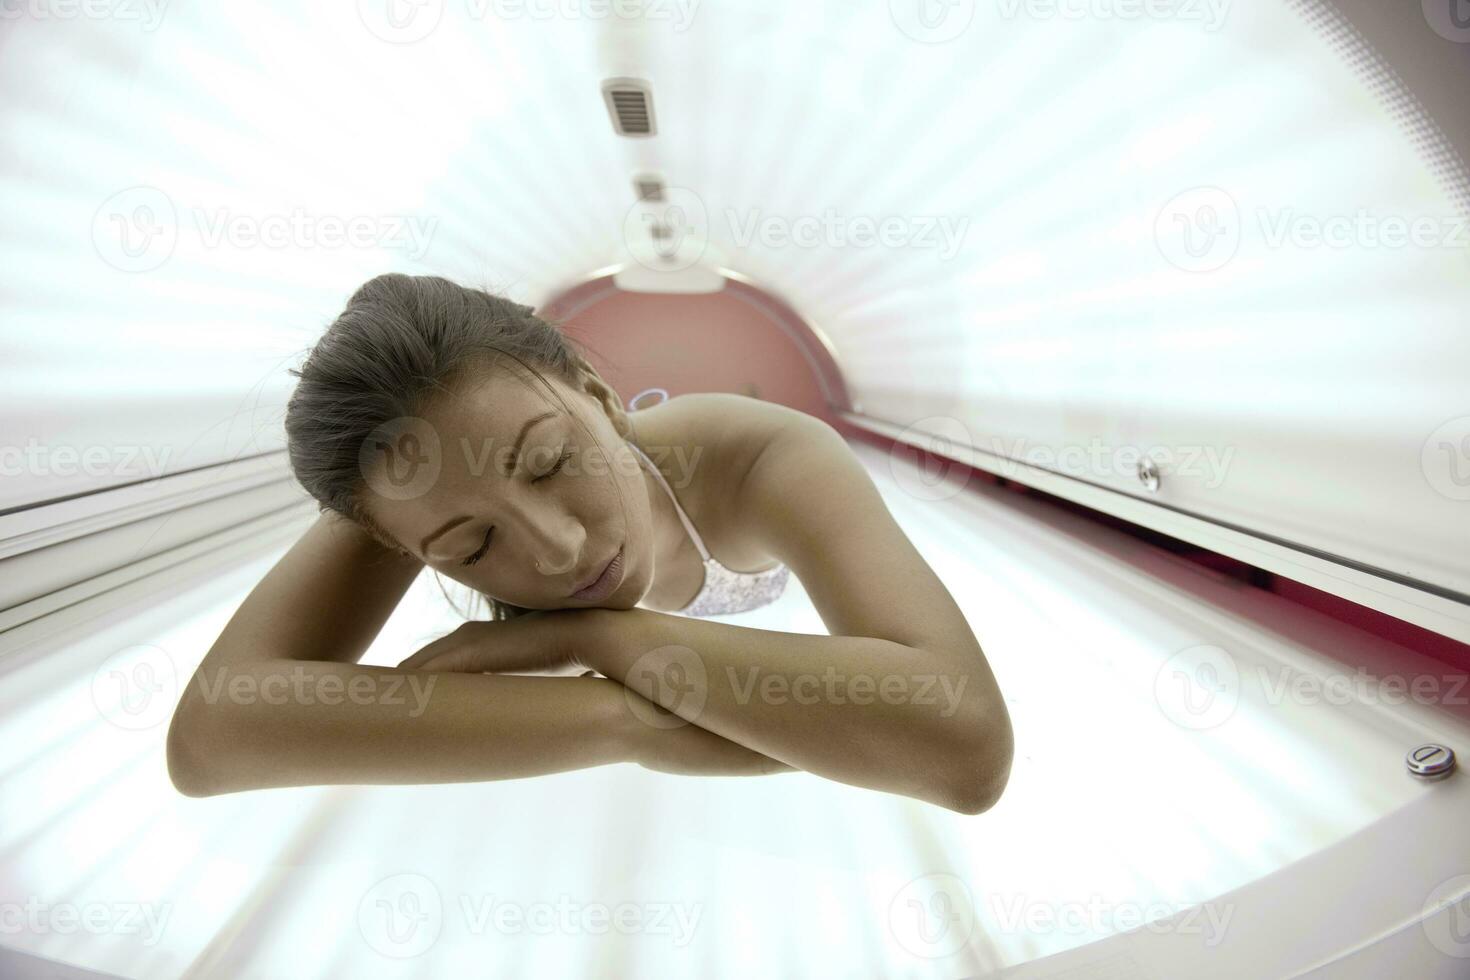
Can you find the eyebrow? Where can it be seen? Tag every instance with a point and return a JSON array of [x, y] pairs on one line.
[[515, 455]]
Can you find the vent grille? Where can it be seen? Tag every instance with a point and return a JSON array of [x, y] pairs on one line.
[[648, 187], [630, 104]]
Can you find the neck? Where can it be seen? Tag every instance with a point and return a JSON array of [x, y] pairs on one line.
[[669, 536]]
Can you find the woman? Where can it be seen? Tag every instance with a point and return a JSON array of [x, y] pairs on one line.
[[443, 426]]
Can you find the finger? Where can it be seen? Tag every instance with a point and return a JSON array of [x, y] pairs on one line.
[[502, 658]]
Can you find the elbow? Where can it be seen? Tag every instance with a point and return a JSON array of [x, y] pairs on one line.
[[980, 758], [186, 769]]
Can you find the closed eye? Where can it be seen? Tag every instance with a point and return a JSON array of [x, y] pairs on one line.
[[485, 545]]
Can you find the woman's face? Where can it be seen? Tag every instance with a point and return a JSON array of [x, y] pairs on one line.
[[527, 524]]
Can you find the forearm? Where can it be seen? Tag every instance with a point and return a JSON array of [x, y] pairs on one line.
[[276, 722], [272, 723], [859, 710]]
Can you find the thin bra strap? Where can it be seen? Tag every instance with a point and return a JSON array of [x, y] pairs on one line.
[[688, 525]]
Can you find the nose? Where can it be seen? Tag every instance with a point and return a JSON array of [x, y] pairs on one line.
[[556, 546]]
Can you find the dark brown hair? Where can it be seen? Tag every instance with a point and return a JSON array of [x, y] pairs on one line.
[[401, 340]]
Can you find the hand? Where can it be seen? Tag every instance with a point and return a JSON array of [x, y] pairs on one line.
[[533, 643]]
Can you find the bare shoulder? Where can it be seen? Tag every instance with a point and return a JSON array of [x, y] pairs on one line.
[[712, 440], [737, 427]]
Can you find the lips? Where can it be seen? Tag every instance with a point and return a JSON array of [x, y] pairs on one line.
[[606, 581]]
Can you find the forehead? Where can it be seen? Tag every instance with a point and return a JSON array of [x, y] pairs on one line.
[[419, 468], [492, 404]]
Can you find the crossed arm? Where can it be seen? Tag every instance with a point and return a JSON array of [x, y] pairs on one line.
[[860, 710], [899, 697]]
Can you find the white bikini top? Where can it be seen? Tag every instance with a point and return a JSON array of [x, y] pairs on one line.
[[724, 591]]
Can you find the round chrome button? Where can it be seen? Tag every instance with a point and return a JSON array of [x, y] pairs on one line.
[[1148, 474], [1430, 761]]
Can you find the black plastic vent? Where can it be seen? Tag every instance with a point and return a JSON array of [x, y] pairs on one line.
[[630, 104]]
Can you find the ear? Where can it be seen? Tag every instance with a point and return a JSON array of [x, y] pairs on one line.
[[591, 382]]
